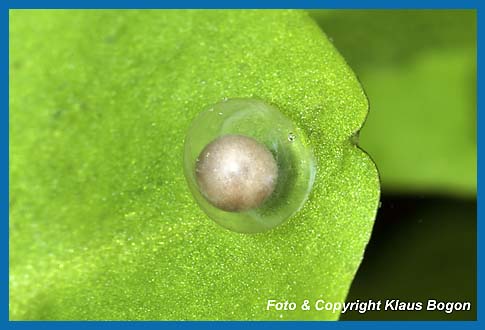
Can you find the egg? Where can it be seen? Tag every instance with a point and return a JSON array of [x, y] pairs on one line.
[[236, 173], [248, 166]]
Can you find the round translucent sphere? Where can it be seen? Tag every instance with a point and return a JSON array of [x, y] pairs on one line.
[[247, 165]]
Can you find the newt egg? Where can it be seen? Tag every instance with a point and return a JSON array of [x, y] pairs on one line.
[[248, 166], [236, 173]]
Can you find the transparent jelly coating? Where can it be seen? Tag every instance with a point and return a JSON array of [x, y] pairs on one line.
[[238, 123]]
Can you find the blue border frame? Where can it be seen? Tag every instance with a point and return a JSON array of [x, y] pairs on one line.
[[304, 4]]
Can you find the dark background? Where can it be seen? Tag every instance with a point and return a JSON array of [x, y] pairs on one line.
[[421, 248]]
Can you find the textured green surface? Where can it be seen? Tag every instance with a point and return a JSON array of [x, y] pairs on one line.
[[102, 224], [418, 69]]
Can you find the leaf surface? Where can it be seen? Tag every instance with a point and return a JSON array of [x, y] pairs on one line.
[[102, 223]]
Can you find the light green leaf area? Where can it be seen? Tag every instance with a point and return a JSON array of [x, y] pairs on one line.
[[102, 223], [418, 69]]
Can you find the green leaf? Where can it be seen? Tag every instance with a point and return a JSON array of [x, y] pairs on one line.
[[418, 69], [102, 223]]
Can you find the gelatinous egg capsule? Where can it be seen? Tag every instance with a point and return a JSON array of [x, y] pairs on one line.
[[247, 165]]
